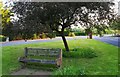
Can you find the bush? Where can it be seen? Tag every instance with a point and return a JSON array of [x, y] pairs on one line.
[[79, 33], [65, 33], [70, 70], [71, 54], [109, 31], [19, 37], [35, 36], [2, 38], [88, 53], [51, 35], [80, 53], [43, 35], [71, 34]]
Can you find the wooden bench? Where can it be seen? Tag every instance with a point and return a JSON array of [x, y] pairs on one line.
[[42, 55]]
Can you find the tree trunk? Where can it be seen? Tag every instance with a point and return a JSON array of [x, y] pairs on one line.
[[65, 43], [90, 35]]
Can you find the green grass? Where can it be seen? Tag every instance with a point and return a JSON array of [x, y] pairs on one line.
[[0, 61], [80, 53], [106, 62]]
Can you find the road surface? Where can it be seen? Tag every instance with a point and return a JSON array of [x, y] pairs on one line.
[[110, 40], [19, 42], [107, 39]]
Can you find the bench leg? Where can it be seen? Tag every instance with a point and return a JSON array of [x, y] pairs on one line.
[[58, 66], [23, 65]]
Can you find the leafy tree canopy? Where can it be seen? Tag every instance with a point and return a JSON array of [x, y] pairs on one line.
[[37, 17]]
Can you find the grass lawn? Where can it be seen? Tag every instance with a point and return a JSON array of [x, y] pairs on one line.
[[0, 61], [106, 62]]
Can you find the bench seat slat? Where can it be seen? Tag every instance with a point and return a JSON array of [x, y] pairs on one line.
[[39, 61], [50, 55]]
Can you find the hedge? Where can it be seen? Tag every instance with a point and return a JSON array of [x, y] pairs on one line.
[[79, 33], [2, 39]]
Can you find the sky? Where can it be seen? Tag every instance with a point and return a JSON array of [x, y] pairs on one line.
[[116, 5]]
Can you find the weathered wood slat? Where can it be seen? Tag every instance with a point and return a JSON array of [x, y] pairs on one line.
[[50, 55], [56, 50], [40, 61], [43, 53]]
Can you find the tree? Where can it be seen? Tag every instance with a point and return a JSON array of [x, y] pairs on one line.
[[57, 16], [5, 26], [116, 25]]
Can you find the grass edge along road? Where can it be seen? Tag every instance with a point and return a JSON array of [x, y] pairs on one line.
[[106, 62]]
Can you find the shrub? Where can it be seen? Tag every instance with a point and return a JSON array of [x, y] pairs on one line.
[[43, 35], [70, 70], [35, 36], [2, 38], [80, 33], [51, 35], [19, 37], [65, 33], [71, 34], [109, 31], [88, 53], [80, 53], [71, 54]]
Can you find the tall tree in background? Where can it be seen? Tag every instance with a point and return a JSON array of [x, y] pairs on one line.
[[6, 25], [38, 16], [116, 25]]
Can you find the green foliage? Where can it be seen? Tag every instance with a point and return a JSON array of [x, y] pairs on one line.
[[77, 29], [70, 70], [65, 33], [57, 16], [88, 53], [7, 26], [80, 33], [71, 54], [116, 25], [51, 35], [2, 38], [71, 34], [5, 16], [19, 37], [80, 53], [76, 33], [27, 36], [43, 36], [109, 31], [35, 36]]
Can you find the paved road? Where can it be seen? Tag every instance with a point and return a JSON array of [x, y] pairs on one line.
[[110, 40], [106, 39], [11, 43]]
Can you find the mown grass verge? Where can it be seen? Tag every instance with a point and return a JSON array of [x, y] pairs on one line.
[[95, 58]]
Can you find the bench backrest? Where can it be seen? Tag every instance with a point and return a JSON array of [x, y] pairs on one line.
[[43, 52]]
